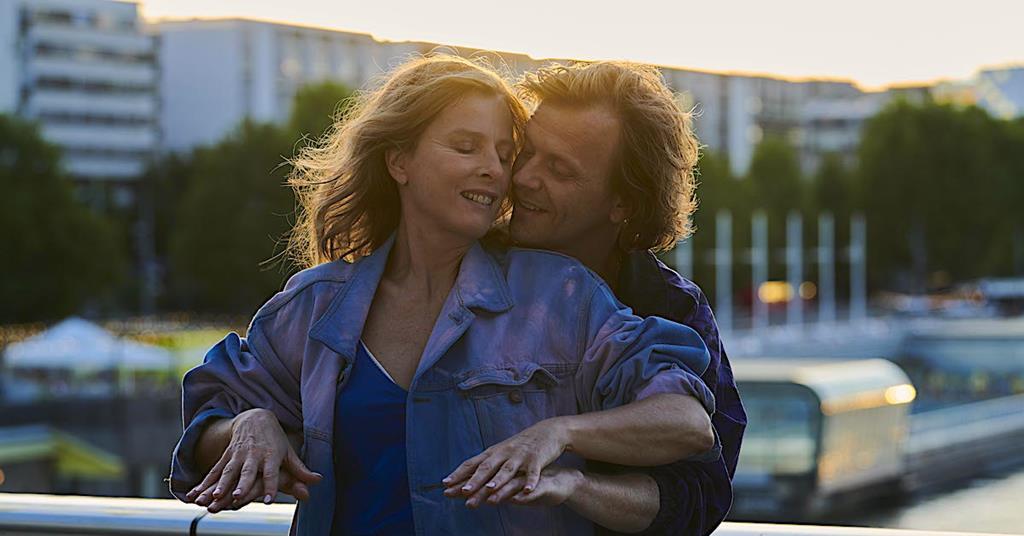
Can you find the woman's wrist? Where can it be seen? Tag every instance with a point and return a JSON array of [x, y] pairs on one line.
[[250, 415], [565, 430]]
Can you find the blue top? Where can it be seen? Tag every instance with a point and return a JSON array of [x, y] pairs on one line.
[[369, 454]]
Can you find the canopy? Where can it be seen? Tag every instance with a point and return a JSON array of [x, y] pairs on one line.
[[81, 345]]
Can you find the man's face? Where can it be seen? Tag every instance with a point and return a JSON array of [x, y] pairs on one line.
[[561, 182]]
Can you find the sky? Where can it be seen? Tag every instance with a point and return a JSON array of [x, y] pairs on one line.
[[872, 42]]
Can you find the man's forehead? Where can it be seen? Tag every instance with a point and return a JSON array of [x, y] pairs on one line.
[[579, 127]]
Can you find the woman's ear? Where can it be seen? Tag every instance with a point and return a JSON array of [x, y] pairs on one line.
[[396, 160]]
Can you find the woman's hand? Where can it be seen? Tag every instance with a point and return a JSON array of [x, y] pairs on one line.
[[287, 484], [258, 447], [529, 452], [556, 485]]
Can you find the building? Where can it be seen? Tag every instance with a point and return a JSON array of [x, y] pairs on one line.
[[218, 72], [735, 112], [87, 73], [834, 125], [1001, 91]]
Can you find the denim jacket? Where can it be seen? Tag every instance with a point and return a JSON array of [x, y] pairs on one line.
[[531, 336]]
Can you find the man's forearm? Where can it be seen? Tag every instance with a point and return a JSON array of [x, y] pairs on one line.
[[657, 430], [626, 502], [212, 442]]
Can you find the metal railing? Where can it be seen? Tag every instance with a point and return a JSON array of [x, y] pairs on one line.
[[29, 514]]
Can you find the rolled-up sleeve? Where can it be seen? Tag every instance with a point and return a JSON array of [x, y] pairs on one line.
[[627, 358], [233, 378]]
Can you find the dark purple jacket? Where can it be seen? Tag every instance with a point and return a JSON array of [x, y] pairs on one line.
[[695, 496]]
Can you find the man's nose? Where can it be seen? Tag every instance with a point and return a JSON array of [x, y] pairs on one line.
[[525, 178]]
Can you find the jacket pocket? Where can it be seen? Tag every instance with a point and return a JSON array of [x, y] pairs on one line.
[[508, 400]]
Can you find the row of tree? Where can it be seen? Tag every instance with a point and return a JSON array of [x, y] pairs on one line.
[[218, 217], [941, 188]]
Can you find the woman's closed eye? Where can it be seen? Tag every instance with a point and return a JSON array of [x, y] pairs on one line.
[[465, 148]]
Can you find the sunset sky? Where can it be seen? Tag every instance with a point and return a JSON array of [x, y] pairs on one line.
[[873, 42]]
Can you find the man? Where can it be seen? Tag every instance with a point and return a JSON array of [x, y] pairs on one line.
[[607, 176]]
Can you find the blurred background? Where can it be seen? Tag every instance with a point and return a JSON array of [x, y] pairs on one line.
[[860, 231]]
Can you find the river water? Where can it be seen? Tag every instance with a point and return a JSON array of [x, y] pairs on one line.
[[990, 505]]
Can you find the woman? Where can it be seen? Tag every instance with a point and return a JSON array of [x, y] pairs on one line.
[[406, 348]]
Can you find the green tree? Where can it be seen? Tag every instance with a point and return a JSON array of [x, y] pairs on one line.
[[832, 191], [228, 228], [1013, 201], [59, 255], [160, 202], [231, 219], [932, 178], [718, 189], [776, 186], [775, 179], [315, 108], [832, 188]]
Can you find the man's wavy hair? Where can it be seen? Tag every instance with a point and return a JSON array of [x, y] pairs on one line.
[[348, 202], [654, 168]]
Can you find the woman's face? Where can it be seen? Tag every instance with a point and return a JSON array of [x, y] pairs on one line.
[[455, 178]]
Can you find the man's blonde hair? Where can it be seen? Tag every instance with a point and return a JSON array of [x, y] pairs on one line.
[[348, 202], [654, 168]]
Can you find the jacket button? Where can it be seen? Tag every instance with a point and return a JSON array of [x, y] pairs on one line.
[[515, 396]]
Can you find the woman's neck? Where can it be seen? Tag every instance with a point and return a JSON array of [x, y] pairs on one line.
[[423, 262]]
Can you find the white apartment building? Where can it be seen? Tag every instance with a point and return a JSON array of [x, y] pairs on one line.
[[86, 72], [218, 72], [735, 112], [1000, 90]]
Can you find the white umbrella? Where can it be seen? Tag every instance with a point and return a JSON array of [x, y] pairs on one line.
[[78, 344]]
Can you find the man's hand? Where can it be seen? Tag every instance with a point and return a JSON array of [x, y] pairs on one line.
[[258, 446], [528, 452], [557, 485]]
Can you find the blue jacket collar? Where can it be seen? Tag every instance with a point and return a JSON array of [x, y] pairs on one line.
[[480, 284]]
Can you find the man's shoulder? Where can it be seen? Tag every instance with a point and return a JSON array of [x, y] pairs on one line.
[[652, 288], [541, 270], [679, 286]]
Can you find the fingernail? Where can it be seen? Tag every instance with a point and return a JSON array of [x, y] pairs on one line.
[[217, 492], [237, 493], [446, 480], [528, 489], [491, 485], [467, 487], [268, 499]]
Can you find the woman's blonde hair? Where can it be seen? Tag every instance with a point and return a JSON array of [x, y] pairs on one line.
[[348, 202], [654, 166]]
